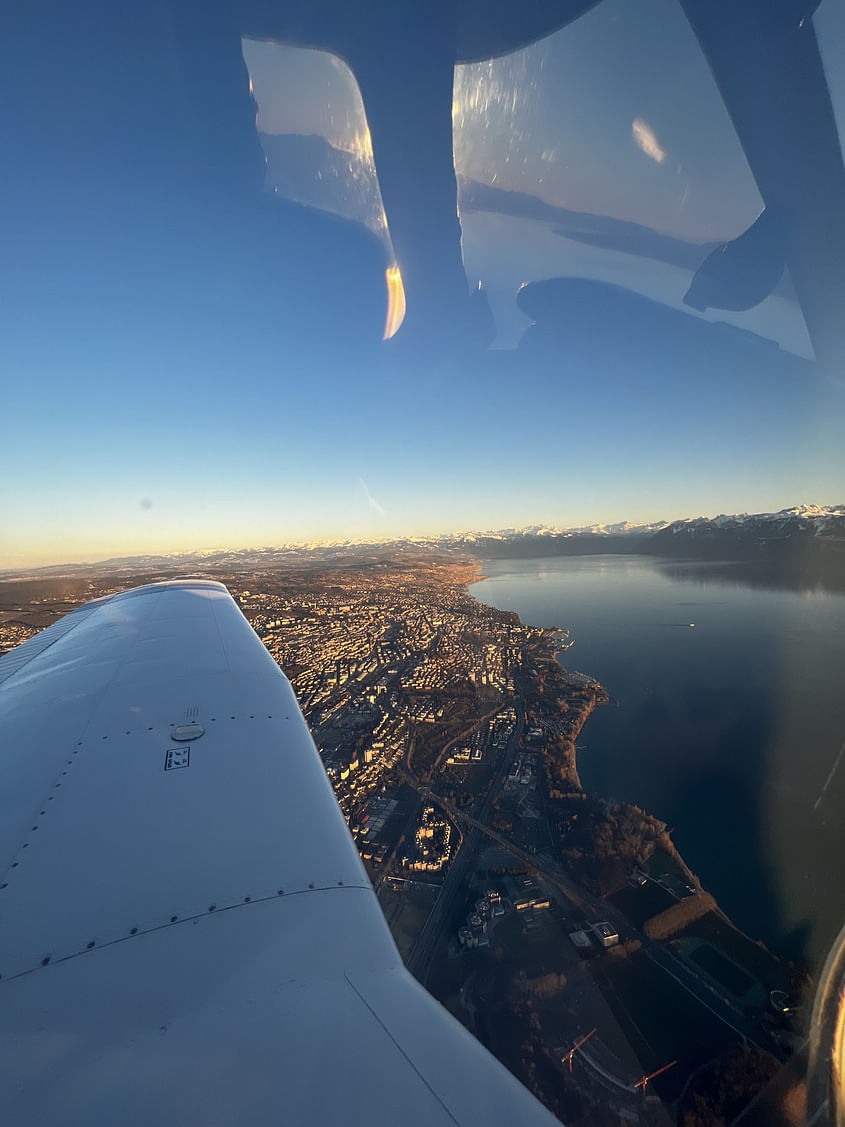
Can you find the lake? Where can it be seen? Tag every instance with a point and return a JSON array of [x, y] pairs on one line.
[[729, 726]]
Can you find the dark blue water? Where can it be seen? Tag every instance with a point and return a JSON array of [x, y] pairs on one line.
[[728, 730]]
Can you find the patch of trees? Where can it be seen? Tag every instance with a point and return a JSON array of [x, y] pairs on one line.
[[601, 844], [719, 1092], [543, 986], [559, 780], [475, 639], [678, 916]]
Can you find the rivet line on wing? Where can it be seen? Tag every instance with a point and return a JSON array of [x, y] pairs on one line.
[[175, 920], [43, 809]]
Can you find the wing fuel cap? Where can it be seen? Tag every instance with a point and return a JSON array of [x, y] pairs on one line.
[[185, 732]]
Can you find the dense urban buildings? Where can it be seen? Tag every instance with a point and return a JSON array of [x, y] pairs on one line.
[[563, 929]]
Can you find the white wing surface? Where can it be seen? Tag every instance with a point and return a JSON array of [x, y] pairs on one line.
[[187, 934]]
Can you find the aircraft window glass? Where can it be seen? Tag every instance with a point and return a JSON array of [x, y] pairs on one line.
[[314, 133], [605, 151], [829, 24]]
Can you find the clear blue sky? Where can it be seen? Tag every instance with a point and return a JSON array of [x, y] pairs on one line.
[[197, 422]]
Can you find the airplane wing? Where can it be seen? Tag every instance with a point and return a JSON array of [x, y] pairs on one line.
[[187, 934]]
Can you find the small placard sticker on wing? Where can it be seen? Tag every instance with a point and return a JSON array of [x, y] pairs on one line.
[[177, 757]]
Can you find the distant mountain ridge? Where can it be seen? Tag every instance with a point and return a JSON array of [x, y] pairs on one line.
[[795, 547], [752, 533], [805, 536]]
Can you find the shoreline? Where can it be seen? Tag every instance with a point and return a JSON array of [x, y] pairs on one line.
[[561, 752], [549, 641]]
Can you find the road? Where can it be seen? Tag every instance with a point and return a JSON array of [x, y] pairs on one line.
[[419, 961], [583, 902]]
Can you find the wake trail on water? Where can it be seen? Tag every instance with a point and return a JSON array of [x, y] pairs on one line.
[[829, 778]]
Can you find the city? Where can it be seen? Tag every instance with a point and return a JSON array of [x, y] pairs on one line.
[[565, 931]]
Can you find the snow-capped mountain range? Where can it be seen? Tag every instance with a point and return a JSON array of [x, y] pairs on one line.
[[798, 535], [815, 519], [819, 519]]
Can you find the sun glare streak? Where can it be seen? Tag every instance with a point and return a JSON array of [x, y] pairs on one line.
[[362, 147], [493, 108], [395, 302]]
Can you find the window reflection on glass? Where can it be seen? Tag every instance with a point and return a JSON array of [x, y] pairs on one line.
[[314, 133], [605, 151], [318, 147]]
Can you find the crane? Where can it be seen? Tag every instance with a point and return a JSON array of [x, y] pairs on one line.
[[643, 1083], [568, 1056]]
